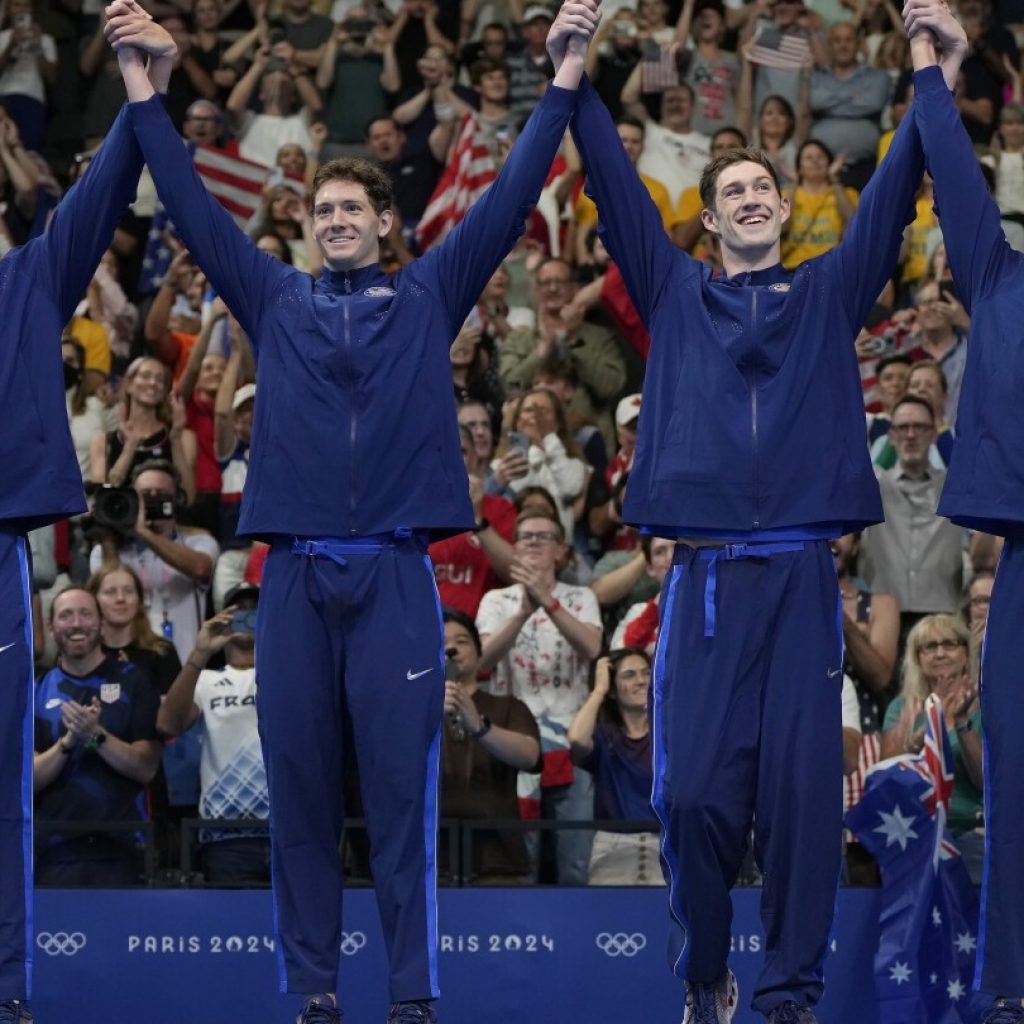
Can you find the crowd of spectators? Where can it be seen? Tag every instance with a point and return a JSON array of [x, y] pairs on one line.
[[145, 607]]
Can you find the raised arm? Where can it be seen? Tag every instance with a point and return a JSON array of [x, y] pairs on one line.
[[463, 264], [238, 271], [630, 223], [976, 247], [866, 257]]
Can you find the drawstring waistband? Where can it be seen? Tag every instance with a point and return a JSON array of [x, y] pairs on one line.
[[335, 548], [734, 553]]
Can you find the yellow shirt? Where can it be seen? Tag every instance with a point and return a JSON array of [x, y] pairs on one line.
[[915, 266], [884, 143], [689, 204], [815, 226], [93, 338], [585, 212]]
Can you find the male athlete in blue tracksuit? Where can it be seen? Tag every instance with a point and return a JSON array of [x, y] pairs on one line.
[[751, 449], [355, 461], [985, 486], [41, 282]]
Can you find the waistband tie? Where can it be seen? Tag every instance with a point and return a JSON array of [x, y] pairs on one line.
[[335, 548], [734, 553]]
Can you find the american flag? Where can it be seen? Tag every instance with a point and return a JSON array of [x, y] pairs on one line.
[[928, 912], [787, 51], [236, 183], [465, 178], [660, 73]]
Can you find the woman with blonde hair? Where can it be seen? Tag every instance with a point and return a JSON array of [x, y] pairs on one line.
[[552, 456], [152, 427], [126, 629], [936, 661]]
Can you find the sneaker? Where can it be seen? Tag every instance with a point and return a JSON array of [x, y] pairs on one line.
[[712, 1004], [421, 1012], [790, 1013], [15, 1011], [1003, 1012], [319, 1010]]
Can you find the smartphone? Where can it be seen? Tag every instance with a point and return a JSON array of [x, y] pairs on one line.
[[243, 620], [948, 291], [650, 51], [518, 441]]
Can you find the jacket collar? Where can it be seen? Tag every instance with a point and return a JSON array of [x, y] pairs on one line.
[[350, 281]]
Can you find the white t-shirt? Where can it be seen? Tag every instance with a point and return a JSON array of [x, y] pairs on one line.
[[851, 706], [232, 779], [170, 595], [83, 426], [674, 159], [262, 135], [22, 77], [542, 668]]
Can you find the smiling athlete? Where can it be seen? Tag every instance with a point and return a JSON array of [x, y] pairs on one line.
[[355, 463], [750, 453]]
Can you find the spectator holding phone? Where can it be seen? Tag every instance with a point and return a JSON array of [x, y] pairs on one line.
[[232, 779], [28, 64], [542, 441], [942, 325]]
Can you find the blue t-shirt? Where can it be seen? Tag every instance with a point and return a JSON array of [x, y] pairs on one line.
[[88, 789], [623, 775]]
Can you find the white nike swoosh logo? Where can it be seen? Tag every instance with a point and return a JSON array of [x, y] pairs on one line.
[[7, 646], [415, 675], [834, 673], [53, 702]]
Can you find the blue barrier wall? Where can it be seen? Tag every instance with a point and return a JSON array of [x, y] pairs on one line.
[[543, 956]]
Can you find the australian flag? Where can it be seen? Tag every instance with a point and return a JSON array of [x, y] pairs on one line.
[[929, 908]]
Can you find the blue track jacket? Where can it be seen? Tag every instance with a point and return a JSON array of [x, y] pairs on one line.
[[41, 282], [752, 423], [985, 483], [355, 430]]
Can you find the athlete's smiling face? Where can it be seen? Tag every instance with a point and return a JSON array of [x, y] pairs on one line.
[[347, 227], [749, 212]]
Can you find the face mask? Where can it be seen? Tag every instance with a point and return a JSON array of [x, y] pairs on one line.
[[72, 375]]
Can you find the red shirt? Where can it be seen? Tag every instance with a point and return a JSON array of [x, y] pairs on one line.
[[199, 417], [461, 567]]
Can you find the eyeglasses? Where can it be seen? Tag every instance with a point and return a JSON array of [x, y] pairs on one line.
[[904, 429], [934, 646], [981, 601], [540, 536]]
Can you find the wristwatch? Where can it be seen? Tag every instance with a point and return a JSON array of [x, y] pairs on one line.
[[485, 728], [97, 741]]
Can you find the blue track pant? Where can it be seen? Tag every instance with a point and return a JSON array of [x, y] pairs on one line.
[[349, 640], [16, 729], [1000, 965], [747, 727]]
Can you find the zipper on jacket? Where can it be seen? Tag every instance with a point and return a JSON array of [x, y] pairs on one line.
[[752, 384], [352, 413]]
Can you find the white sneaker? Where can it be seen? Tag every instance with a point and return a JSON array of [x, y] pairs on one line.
[[712, 1004]]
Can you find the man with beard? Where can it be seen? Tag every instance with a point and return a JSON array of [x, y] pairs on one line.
[[96, 750]]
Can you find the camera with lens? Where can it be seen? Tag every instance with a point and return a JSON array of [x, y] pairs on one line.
[[117, 508]]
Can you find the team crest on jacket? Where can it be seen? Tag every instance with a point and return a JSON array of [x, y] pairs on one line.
[[110, 693], [380, 292], [779, 286]]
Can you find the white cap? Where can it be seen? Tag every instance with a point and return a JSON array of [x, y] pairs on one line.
[[627, 410], [537, 11], [246, 393]]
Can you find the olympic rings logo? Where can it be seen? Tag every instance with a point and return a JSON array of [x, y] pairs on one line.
[[621, 944], [352, 942], [60, 943]]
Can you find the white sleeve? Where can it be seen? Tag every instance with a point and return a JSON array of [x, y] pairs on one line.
[[49, 48], [488, 615], [851, 706]]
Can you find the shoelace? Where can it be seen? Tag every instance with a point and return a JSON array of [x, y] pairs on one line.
[[705, 1004], [317, 1013], [1005, 1013], [790, 1013], [412, 1013]]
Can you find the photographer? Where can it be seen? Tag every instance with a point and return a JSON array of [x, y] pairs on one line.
[[174, 563], [233, 782], [96, 748]]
